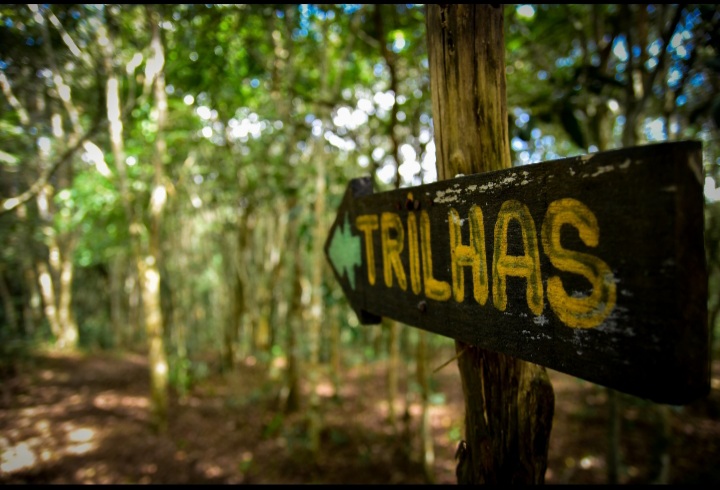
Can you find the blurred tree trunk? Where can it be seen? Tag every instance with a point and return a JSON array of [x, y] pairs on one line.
[[272, 236], [55, 276], [315, 316], [335, 349], [290, 393], [118, 306], [262, 285], [124, 325], [179, 265], [509, 403], [393, 368], [237, 257], [10, 313], [56, 281], [32, 306], [409, 357], [47, 290], [279, 283], [426, 440], [144, 256], [149, 263]]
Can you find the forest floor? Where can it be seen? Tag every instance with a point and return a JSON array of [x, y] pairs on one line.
[[85, 419]]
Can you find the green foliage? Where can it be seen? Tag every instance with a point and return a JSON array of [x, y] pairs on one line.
[[180, 376], [568, 65], [256, 94], [273, 427]]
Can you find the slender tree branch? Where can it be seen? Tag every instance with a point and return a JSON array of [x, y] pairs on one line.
[[64, 35], [667, 35], [14, 102], [390, 60], [63, 89], [7, 205]]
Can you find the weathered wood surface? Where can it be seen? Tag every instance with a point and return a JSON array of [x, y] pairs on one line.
[[623, 305], [509, 403]]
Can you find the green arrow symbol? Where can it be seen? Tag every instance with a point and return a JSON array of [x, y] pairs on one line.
[[344, 251]]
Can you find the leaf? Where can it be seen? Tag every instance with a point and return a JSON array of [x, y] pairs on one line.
[[8, 158]]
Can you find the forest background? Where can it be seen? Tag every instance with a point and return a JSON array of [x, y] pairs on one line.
[[168, 175]]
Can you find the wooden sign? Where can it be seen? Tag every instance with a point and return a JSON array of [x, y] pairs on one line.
[[591, 265]]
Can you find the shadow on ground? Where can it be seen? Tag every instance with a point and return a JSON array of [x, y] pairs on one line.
[[85, 419]]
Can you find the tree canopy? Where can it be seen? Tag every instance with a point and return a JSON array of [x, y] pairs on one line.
[[192, 155]]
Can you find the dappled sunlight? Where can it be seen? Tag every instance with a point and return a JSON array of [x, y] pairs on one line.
[[49, 375], [229, 431], [590, 462], [210, 470], [111, 400], [18, 457], [325, 389], [97, 474], [52, 407], [51, 445], [180, 167], [83, 434]]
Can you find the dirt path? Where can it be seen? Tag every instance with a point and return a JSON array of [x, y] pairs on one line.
[[75, 419], [84, 419]]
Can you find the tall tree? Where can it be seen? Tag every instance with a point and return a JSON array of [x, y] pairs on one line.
[[509, 403], [149, 265]]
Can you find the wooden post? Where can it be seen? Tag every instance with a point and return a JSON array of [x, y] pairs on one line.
[[404, 254], [509, 403]]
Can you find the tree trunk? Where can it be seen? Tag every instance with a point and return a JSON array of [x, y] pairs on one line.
[[56, 276], [509, 403], [290, 394], [70, 333], [261, 286], [278, 285], [55, 280], [149, 264], [236, 258], [179, 266], [47, 290], [8, 305], [426, 440], [124, 325], [316, 310], [392, 371], [150, 279], [118, 316], [335, 349], [32, 300]]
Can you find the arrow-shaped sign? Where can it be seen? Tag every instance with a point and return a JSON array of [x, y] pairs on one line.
[[593, 265], [344, 252]]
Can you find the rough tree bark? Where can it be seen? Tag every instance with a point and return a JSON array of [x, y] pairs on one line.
[[509, 403]]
